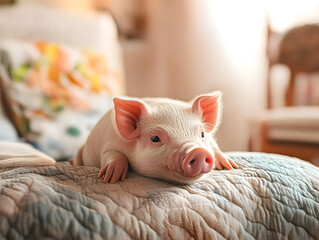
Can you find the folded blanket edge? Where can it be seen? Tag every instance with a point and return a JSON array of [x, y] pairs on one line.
[[25, 161]]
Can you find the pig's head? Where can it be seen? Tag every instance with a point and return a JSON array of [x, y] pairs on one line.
[[169, 139]]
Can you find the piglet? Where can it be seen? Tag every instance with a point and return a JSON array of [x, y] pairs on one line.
[[158, 137]]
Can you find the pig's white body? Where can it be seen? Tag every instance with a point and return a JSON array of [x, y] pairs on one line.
[[180, 131]]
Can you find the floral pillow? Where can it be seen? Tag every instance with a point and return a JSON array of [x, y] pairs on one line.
[[58, 92]]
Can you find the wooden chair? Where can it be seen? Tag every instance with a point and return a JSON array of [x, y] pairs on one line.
[[293, 129]]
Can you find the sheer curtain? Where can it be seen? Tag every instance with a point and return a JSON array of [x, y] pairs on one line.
[[285, 14]]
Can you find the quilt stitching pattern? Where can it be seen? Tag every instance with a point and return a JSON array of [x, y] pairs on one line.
[[263, 199]]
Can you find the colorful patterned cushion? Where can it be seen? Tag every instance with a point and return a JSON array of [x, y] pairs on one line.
[[58, 92]]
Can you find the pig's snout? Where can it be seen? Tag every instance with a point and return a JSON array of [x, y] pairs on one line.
[[197, 161]]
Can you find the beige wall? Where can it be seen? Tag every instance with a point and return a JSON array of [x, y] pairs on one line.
[[77, 5], [195, 47]]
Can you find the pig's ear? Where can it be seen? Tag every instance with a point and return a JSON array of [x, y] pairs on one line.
[[208, 107], [127, 114]]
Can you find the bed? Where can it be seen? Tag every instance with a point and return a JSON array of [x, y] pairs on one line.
[[268, 197]]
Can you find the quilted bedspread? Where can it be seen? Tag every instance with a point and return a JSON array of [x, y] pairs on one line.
[[268, 197]]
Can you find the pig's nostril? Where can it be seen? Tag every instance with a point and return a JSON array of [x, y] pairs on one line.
[[209, 161], [192, 162]]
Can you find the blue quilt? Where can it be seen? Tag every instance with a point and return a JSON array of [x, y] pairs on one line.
[[268, 197]]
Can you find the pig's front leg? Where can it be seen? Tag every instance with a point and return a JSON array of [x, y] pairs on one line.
[[222, 161], [114, 167]]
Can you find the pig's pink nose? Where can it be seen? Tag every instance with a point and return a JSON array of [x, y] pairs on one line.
[[199, 160]]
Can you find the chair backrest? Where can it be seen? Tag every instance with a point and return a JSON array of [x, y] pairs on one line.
[[298, 49]]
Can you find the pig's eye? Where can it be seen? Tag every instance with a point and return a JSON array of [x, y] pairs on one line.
[[203, 134], [155, 139]]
